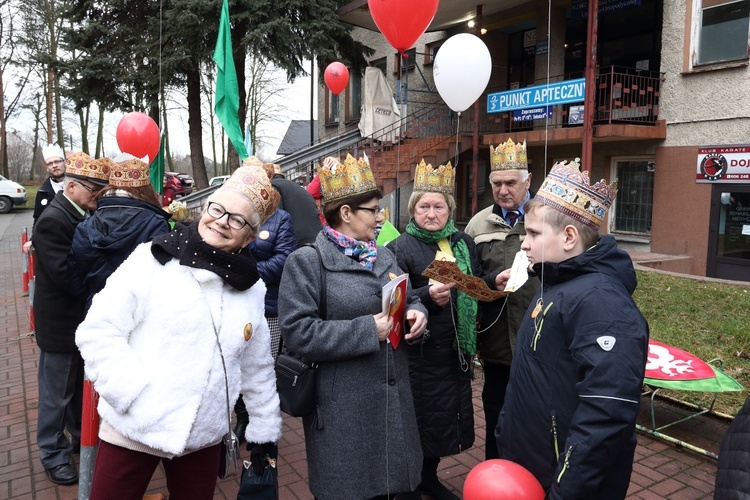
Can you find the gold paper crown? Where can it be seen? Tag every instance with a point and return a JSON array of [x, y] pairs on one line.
[[252, 181], [339, 180], [434, 180], [509, 156], [81, 166], [568, 190], [129, 173]]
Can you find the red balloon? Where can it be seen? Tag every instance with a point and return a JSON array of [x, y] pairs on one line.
[[138, 134], [501, 480], [402, 22], [336, 77]]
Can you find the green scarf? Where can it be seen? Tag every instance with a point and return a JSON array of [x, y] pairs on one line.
[[466, 306]]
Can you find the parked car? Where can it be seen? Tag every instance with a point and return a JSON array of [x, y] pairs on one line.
[[182, 183], [176, 185], [11, 193], [219, 179]]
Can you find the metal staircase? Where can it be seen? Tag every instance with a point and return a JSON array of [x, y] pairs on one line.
[[393, 151]]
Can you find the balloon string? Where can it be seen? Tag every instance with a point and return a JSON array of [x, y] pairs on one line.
[[546, 135]]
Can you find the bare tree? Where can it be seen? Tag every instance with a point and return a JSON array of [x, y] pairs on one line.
[[20, 153], [264, 93]]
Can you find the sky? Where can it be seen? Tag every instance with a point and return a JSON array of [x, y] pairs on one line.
[[295, 98]]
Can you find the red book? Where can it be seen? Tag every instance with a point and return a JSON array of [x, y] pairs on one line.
[[394, 302]]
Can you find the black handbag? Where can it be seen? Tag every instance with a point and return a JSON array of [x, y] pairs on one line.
[[295, 381], [259, 480], [295, 378]]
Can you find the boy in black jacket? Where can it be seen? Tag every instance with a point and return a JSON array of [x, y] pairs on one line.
[[574, 393]]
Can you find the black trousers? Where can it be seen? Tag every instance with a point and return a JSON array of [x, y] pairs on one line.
[[493, 395]]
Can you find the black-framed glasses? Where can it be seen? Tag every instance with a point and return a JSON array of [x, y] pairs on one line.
[[235, 221], [374, 211], [84, 186]]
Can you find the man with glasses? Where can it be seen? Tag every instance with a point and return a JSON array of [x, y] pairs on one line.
[[57, 313], [54, 162], [498, 231]]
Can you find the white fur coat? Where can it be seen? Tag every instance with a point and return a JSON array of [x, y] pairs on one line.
[[150, 349]]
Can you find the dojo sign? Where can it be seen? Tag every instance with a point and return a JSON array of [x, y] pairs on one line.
[[723, 164]]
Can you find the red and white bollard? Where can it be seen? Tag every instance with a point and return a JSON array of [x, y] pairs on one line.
[[25, 261], [89, 440], [32, 283]]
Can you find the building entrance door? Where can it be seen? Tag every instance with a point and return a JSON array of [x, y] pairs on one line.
[[729, 232]]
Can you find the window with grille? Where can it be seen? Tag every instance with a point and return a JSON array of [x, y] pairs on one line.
[[635, 195]]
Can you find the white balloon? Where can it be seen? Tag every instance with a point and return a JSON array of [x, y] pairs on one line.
[[462, 70]]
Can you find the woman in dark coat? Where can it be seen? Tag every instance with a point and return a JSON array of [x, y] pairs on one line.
[[733, 473], [273, 245], [127, 214], [440, 366], [363, 441]]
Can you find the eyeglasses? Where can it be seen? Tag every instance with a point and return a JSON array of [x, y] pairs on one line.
[[374, 211], [87, 188], [235, 221], [54, 162]]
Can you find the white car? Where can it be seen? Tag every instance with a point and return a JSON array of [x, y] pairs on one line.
[[215, 181], [11, 193]]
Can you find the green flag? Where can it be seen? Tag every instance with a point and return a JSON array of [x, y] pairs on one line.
[[227, 88], [387, 234], [156, 169]]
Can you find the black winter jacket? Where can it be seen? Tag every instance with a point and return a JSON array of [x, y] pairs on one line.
[[57, 310], [44, 196], [575, 383], [440, 380], [733, 473], [275, 241], [103, 241], [301, 207]]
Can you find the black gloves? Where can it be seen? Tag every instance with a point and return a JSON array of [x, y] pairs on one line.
[[258, 453]]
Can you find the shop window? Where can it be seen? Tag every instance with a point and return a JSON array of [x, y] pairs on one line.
[[332, 108], [720, 31], [354, 97], [733, 238], [635, 195]]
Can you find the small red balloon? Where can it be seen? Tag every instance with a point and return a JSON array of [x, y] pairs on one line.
[[336, 77], [138, 134], [402, 22], [499, 479]]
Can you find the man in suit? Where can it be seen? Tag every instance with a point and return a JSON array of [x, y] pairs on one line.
[[54, 162], [498, 231], [57, 313]]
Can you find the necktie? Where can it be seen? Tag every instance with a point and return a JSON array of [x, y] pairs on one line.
[[511, 217]]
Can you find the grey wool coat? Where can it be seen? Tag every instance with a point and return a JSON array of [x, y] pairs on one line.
[[366, 442]]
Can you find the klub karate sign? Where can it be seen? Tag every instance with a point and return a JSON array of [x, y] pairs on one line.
[[723, 164]]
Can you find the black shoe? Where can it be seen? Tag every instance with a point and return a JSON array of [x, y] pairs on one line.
[[437, 489], [62, 474]]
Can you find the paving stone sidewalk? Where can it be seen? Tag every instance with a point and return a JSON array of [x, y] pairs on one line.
[[661, 470]]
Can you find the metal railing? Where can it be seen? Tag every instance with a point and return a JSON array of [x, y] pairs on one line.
[[623, 95]]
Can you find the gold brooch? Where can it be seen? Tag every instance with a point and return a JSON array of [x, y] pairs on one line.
[[248, 332]]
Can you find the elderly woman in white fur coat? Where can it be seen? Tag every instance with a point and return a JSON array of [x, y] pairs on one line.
[[171, 341]]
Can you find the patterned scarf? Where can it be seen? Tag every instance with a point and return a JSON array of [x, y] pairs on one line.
[[466, 306], [364, 252]]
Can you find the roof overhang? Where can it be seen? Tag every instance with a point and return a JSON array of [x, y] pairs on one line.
[[450, 13]]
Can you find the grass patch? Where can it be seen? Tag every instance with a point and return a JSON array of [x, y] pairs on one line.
[[705, 318], [31, 191]]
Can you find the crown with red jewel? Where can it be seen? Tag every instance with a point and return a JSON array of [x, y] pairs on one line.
[[569, 191]]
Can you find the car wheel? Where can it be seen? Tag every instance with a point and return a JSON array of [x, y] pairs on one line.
[[5, 204]]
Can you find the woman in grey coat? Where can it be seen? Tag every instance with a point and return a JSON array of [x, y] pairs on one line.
[[363, 441]]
